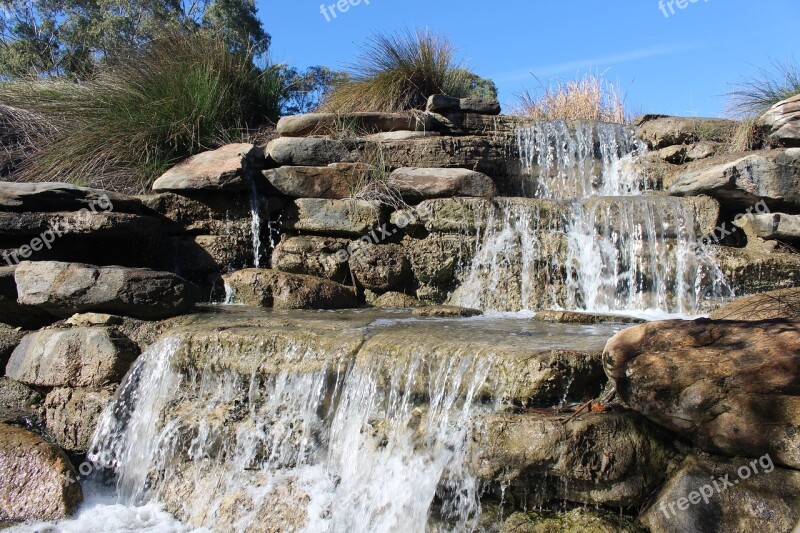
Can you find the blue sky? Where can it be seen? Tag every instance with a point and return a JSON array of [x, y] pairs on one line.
[[683, 64]]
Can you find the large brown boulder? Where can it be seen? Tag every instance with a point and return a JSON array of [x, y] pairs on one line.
[[71, 415], [74, 357], [225, 168], [782, 122], [415, 184], [271, 288], [733, 388], [331, 182], [37, 481], [324, 257], [63, 289]]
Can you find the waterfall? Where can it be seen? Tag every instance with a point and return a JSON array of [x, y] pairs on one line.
[[618, 247], [255, 223], [362, 448]]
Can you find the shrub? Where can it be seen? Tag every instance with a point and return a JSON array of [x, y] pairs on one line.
[[753, 96], [398, 72], [589, 97], [133, 119]]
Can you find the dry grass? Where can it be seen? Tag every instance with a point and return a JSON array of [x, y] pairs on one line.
[[590, 97], [754, 96], [746, 137], [370, 179]]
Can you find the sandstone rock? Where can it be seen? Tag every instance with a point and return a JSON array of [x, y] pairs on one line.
[[481, 106], [63, 289], [323, 257], [730, 387], [391, 300], [355, 218], [447, 311], [225, 168], [770, 226], [580, 520], [98, 225], [423, 183], [31, 197], [573, 317], [212, 212], [441, 102], [13, 313], [783, 303], [742, 180], [313, 182], [766, 502], [380, 267], [749, 271], [270, 288], [360, 123], [435, 261], [37, 482], [19, 404], [782, 122], [614, 459], [681, 153], [9, 339], [75, 357], [314, 151], [445, 215], [71, 415], [668, 131]]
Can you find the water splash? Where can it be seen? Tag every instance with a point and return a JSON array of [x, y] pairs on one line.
[[255, 222]]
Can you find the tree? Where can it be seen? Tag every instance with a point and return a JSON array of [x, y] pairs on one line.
[[70, 37], [480, 87], [305, 91]]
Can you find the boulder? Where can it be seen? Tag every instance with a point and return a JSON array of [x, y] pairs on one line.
[[752, 271], [19, 404], [440, 103], [435, 261], [580, 520], [74, 357], [712, 495], [574, 317], [13, 313], [415, 184], [271, 288], [323, 257], [770, 226], [63, 289], [354, 218], [32, 197], [445, 215], [783, 303], [446, 311], [661, 131], [71, 415], [314, 151], [614, 458], [682, 153], [9, 339], [782, 122], [314, 182], [23, 226], [391, 300], [358, 123], [225, 168], [380, 267], [204, 213], [730, 387], [742, 180], [37, 482], [437, 103]]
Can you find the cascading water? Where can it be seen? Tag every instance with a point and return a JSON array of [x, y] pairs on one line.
[[352, 449], [255, 222], [633, 251]]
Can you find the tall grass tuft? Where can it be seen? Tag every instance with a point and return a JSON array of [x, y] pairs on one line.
[[134, 119], [398, 72], [754, 95], [589, 97]]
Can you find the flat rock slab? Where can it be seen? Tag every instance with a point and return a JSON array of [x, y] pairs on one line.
[[783, 303], [55, 225], [782, 122], [354, 218], [742, 180], [682, 153], [225, 168], [697, 498], [279, 290], [661, 131], [19, 196], [446, 311], [357, 123], [574, 317], [314, 182], [314, 151], [424, 183], [63, 289], [438, 103], [14, 313], [37, 481], [730, 387], [74, 357], [770, 226]]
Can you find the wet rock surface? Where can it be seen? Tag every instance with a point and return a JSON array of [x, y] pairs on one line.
[[271, 288]]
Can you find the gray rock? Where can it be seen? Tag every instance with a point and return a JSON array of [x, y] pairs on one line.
[[580, 520], [380, 267], [424, 183], [16, 314], [19, 404], [766, 502], [74, 357], [445, 215], [314, 151], [770, 226], [438, 103], [704, 210], [742, 180], [63, 289], [359, 123], [30, 197], [574, 317], [271, 288], [9, 339], [94, 225], [682, 153], [324, 257], [435, 261], [314, 182], [353, 218], [225, 168], [38, 481], [661, 132], [71, 415], [782, 122], [447, 311], [751, 271], [391, 300], [480, 106]]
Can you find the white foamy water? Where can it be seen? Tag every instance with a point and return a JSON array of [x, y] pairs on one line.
[[255, 223]]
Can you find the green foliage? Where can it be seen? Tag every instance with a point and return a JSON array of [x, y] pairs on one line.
[[480, 87], [133, 119], [397, 72], [71, 37], [754, 96], [306, 90]]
